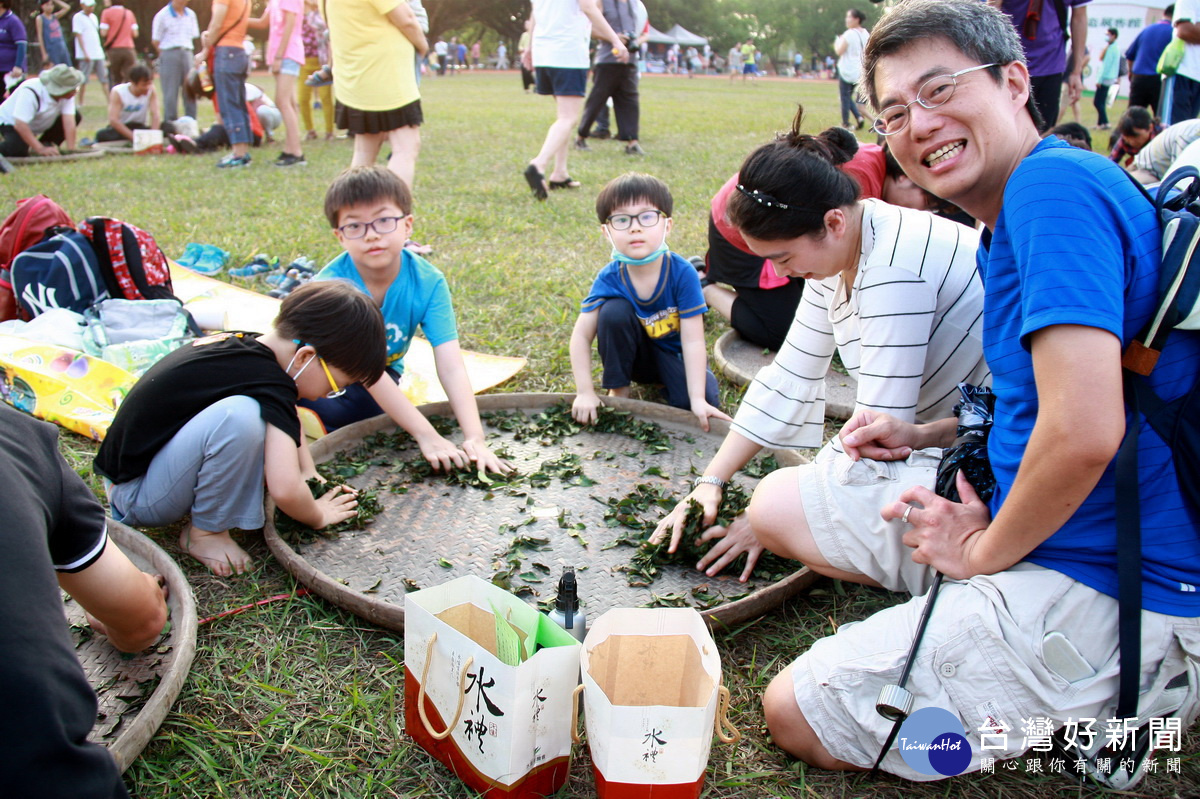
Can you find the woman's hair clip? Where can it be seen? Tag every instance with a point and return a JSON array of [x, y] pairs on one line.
[[762, 199]]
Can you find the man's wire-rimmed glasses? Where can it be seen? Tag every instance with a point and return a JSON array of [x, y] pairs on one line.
[[934, 92]]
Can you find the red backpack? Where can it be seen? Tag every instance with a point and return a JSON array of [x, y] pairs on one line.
[[24, 227], [130, 258]]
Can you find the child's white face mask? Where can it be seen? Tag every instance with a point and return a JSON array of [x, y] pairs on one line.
[[288, 368]]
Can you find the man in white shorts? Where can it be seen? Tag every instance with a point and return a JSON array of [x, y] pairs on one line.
[[1025, 628]]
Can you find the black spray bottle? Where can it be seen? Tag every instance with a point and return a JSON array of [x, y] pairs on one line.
[[566, 613]]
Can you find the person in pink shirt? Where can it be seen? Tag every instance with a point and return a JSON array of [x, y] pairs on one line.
[[119, 28], [285, 57]]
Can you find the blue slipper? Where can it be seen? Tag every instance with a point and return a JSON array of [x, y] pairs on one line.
[[207, 259]]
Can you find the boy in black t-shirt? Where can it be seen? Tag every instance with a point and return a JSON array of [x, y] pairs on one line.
[[207, 425]]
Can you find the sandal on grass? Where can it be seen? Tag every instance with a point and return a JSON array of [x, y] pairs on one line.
[[564, 184], [536, 181]]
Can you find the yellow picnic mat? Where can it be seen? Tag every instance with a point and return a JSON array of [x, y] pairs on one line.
[[61, 385], [81, 393]]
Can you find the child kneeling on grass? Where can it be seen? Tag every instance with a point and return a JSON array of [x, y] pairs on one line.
[[370, 210], [645, 309], [205, 426]]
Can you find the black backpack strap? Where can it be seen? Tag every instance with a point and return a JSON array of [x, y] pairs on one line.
[[103, 257], [133, 261], [1129, 560]]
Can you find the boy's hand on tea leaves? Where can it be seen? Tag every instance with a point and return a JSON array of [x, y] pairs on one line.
[[704, 412], [586, 408], [731, 542], [337, 505], [707, 495], [483, 458], [442, 454]]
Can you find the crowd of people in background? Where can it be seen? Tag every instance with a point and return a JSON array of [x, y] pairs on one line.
[[301, 49]]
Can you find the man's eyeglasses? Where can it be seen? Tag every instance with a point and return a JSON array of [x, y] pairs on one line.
[[933, 93], [383, 225], [625, 221]]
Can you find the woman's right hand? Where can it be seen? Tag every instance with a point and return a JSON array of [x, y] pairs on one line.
[[878, 437], [709, 497], [337, 505]]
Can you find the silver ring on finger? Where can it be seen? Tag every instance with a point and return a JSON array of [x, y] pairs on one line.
[[907, 510]]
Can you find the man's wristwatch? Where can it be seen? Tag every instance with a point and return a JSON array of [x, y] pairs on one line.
[[708, 479]]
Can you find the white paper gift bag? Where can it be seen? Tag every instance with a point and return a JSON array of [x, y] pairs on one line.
[[653, 698], [146, 142], [490, 699]]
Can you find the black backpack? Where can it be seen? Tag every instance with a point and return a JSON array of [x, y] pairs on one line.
[[1176, 422]]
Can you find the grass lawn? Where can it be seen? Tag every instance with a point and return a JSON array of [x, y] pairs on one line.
[[297, 698]]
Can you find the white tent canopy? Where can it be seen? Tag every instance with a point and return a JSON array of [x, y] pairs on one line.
[[685, 37], [658, 37]]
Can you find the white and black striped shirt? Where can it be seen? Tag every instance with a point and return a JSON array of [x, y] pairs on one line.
[[910, 331]]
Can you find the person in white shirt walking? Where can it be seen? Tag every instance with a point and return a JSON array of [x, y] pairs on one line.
[[849, 48], [89, 54]]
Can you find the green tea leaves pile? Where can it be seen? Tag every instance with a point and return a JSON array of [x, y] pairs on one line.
[[523, 565]]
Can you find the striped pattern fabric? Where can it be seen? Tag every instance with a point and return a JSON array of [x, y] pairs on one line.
[[909, 331]]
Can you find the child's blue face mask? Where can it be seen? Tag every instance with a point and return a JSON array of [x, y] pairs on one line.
[[617, 255]]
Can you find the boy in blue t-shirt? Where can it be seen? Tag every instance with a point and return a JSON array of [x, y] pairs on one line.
[[645, 308], [370, 210]]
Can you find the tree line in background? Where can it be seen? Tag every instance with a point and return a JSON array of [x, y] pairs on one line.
[[778, 27]]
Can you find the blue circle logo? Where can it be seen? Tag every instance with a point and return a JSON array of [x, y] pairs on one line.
[[932, 741]]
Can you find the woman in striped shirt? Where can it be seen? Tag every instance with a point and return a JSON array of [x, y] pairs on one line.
[[895, 292]]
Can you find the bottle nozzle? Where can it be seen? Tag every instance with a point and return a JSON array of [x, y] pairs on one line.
[[568, 596]]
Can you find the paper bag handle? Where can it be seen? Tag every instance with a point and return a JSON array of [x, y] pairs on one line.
[[462, 694], [575, 736], [722, 719]]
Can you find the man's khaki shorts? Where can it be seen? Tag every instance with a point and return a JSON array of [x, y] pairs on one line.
[[983, 659]]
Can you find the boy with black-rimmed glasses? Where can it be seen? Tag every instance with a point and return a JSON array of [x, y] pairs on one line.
[[370, 211], [645, 308]]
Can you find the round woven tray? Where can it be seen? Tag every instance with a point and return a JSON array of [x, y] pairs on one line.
[[123, 147], [435, 532], [136, 693], [53, 159]]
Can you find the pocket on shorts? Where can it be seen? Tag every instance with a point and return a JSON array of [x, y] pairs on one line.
[[865, 472], [978, 670]]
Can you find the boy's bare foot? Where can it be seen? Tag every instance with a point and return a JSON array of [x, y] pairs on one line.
[[217, 551]]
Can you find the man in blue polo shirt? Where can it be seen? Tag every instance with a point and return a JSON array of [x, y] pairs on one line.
[[1026, 625]]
